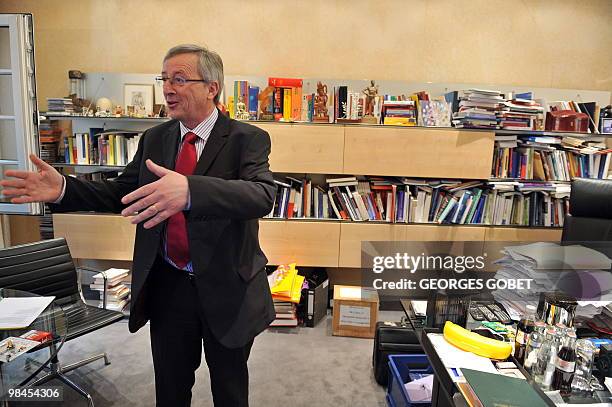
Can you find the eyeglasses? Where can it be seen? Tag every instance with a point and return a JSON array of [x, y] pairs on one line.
[[177, 80]]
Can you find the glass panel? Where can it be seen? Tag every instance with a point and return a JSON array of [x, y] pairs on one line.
[[8, 140], [5, 48], [6, 96], [3, 168]]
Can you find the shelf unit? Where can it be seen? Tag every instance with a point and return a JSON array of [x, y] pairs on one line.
[[308, 242], [340, 149]]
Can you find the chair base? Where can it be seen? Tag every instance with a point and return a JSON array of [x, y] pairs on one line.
[[56, 371]]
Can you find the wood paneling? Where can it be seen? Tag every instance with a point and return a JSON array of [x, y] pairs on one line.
[[510, 234], [314, 149], [304, 242], [352, 234], [96, 236], [418, 152]]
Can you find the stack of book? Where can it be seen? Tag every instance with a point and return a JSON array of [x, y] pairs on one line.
[[286, 288], [521, 114], [117, 293], [60, 106], [399, 112], [49, 136], [478, 109]]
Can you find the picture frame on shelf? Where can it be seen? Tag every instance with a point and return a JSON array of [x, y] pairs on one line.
[[139, 96]]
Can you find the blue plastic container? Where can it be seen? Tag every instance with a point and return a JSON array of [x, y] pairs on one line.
[[401, 367]]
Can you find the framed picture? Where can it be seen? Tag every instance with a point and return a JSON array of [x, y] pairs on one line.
[[606, 125], [140, 97]]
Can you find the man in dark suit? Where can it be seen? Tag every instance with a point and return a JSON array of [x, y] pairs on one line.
[[195, 189]]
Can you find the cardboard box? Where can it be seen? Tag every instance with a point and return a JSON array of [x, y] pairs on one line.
[[355, 311]]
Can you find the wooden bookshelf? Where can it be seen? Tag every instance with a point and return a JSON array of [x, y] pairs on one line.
[[96, 236], [524, 234], [336, 149], [317, 149], [352, 234], [310, 243], [421, 152]]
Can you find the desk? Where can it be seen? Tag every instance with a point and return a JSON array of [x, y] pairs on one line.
[[17, 373], [445, 392]]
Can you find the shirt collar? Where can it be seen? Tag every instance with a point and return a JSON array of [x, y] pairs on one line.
[[203, 129]]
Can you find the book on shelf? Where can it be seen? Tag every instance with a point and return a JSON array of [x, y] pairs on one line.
[[112, 147], [548, 158], [398, 200]]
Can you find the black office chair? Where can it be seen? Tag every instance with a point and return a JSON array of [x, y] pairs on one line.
[[46, 268], [590, 211]]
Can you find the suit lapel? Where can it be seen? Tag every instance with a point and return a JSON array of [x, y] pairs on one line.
[[170, 145], [216, 141]]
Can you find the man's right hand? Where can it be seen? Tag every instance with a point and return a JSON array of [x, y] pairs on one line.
[[44, 185]]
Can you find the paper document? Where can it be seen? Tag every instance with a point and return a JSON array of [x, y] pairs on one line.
[[454, 358], [419, 307], [20, 312], [421, 389]]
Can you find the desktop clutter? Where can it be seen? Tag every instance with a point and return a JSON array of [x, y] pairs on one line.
[[493, 360]]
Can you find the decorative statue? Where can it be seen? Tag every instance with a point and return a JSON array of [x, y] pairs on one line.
[[371, 93], [241, 111], [320, 104]]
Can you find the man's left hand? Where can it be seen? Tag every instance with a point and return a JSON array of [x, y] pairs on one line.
[[158, 200]]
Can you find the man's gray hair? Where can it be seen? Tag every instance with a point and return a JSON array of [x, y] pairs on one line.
[[210, 64]]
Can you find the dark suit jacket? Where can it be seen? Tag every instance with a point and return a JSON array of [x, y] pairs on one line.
[[232, 187]]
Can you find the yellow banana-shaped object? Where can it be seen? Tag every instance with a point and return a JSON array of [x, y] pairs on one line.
[[478, 344]]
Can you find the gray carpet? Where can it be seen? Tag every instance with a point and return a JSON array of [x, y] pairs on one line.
[[300, 367]]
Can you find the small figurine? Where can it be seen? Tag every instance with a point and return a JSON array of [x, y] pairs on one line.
[[371, 93], [320, 104], [241, 111], [118, 111]]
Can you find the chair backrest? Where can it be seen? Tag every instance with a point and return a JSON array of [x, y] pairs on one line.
[[590, 211], [44, 268]]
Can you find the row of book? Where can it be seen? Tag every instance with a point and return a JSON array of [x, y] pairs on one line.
[[117, 293], [293, 99], [104, 148], [553, 165], [422, 201], [550, 158], [289, 99]]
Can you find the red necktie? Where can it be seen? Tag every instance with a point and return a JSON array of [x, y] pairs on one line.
[[176, 236]]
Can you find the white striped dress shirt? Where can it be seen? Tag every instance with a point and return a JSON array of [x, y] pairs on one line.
[[203, 131]]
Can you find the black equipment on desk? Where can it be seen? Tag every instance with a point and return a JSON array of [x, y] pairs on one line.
[[392, 338]]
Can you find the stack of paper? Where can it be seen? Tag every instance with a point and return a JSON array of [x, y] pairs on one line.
[[550, 266], [20, 312]]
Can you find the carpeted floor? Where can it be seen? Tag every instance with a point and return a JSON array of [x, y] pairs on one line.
[[300, 367]]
